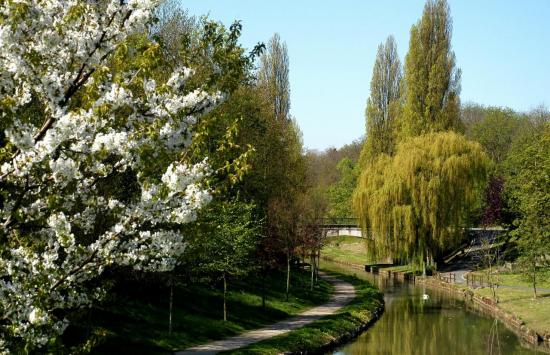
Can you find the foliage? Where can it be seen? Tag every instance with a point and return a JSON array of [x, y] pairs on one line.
[[223, 239], [220, 63], [322, 171], [496, 131], [273, 75], [528, 191], [94, 174], [494, 203], [340, 193], [432, 81], [414, 204], [383, 104], [285, 172]]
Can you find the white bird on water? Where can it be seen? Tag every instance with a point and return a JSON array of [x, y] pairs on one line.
[[425, 296]]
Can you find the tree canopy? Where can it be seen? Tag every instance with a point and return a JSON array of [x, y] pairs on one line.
[[432, 80], [527, 174], [413, 204], [383, 104]]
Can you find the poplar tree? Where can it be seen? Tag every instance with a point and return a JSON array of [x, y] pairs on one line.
[[383, 103], [432, 100], [412, 201], [286, 168], [273, 76]]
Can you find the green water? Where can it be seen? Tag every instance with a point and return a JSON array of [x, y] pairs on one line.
[[440, 324]]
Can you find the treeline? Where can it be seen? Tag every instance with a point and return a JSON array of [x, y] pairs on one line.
[[430, 166]]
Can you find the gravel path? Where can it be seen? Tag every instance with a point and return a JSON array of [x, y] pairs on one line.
[[343, 294]]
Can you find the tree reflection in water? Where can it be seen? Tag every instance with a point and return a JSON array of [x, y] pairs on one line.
[[441, 324]]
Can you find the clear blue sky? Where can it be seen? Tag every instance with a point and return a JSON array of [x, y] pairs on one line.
[[502, 47]]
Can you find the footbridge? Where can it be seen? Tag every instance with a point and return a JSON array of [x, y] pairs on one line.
[[334, 227]]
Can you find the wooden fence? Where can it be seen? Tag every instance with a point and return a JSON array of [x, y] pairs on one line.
[[449, 278]]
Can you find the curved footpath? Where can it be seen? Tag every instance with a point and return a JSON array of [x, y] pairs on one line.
[[344, 292]]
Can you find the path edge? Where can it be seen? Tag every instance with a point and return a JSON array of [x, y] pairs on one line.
[[344, 337]]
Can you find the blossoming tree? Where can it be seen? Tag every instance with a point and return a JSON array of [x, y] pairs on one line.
[[71, 127]]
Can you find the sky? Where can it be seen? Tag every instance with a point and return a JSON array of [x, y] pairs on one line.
[[501, 46]]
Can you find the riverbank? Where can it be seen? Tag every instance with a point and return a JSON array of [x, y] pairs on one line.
[[140, 325], [515, 309], [526, 317], [346, 249], [330, 331]]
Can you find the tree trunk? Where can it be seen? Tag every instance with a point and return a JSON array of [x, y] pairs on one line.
[[287, 274], [317, 266], [263, 290], [170, 310], [224, 298], [312, 267], [534, 279]]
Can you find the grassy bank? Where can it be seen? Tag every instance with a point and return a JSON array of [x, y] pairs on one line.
[[515, 296], [351, 318], [516, 279], [346, 249], [142, 326], [533, 312], [404, 269]]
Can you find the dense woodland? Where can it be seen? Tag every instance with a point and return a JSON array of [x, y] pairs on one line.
[[157, 153]]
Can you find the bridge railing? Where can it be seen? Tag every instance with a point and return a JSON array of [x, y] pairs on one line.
[[339, 221]]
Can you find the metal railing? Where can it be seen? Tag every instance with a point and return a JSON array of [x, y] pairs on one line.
[[339, 221]]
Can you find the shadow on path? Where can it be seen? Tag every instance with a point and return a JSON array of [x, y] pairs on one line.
[[343, 294]]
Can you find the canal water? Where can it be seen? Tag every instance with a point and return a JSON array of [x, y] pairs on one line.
[[437, 324]]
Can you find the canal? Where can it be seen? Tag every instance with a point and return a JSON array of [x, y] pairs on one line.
[[438, 323]]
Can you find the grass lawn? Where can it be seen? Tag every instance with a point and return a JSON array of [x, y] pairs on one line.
[[534, 312], [518, 279], [347, 249], [140, 327], [321, 332], [519, 302], [404, 268]]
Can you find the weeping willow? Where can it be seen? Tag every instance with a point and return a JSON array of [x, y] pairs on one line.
[[413, 204]]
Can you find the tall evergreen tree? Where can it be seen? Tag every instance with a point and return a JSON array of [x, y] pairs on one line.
[[383, 103], [432, 80]]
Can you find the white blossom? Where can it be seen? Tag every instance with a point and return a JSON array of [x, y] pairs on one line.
[[56, 200], [64, 170]]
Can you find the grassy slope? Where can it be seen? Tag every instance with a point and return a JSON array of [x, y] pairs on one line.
[[534, 312], [139, 327], [346, 249], [520, 302], [322, 332]]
